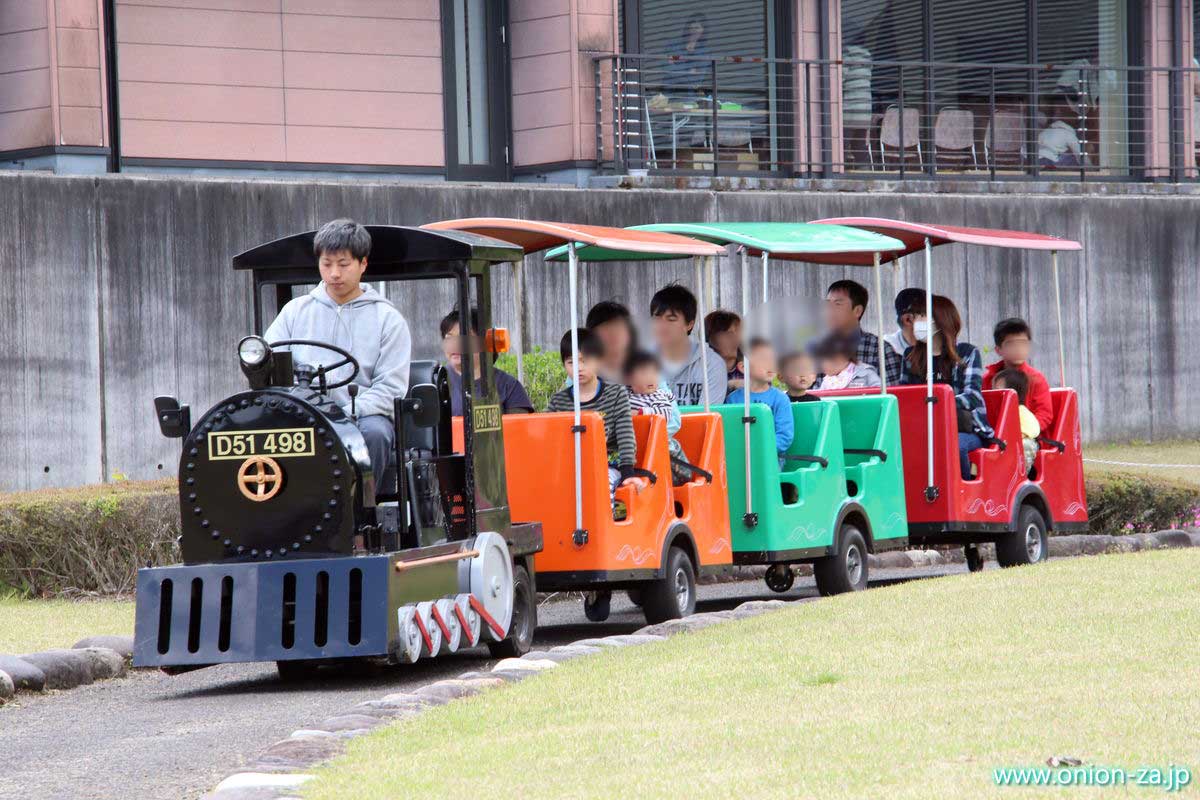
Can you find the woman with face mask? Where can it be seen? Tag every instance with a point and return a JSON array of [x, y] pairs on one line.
[[957, 364]]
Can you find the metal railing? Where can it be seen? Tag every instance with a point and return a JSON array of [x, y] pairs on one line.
[[732, 116]]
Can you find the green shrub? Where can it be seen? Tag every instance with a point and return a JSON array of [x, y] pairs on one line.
[[86, 540], [1124, 502], [544, 374]]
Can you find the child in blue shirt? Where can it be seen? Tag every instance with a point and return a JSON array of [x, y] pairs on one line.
[[762, 370]]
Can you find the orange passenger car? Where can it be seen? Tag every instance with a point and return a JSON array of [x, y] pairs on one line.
[[669, 535]]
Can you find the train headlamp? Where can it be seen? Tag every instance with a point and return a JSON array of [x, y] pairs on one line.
[[253, 351]]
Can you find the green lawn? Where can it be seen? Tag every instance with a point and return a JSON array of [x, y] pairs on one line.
[[1172, 452], [916, 690], [30, 625]]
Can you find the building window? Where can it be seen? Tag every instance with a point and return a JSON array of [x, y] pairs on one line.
[[967, 87], [688, 52]]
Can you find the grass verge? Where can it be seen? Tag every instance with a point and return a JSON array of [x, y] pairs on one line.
[[915, 690], [27, 626], [1169, 452]]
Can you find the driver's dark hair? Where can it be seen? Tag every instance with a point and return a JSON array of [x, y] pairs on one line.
[[451, 319], [342, 235]]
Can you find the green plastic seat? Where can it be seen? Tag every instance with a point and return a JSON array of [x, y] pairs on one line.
[[785, 531], [875, 480], [799, 523]]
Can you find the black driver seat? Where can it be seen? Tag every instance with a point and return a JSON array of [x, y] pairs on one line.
[[421, 442]]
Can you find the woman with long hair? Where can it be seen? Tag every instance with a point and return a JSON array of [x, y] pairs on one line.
[[957, 364]]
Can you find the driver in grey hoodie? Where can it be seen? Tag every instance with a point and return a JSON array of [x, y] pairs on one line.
[[342, 312], [673, 315]]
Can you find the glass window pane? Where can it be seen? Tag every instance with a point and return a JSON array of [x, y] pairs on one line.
[[470, 59]]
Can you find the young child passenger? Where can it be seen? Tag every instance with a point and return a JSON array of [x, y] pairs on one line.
[[723, 331], [798, 375], [760, 372], [609, 399], [1012, 338], [648, 396], [840, 367], [1016, 380]]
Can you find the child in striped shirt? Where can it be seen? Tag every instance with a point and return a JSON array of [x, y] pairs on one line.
[[648, 395], [610, 400]]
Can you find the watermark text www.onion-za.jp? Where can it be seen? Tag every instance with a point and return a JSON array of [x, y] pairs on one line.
[[1169, 778]]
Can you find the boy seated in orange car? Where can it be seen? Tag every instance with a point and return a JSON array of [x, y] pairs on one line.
[[610, 400]]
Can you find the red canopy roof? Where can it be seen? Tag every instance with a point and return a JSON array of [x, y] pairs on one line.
[[914, 234], [535, 236]]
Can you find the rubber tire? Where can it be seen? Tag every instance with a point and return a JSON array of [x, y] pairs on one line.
[[636, 596], [832, 572], [974, 559], [659, 600], [524, 620], [1012, 549], [780, 585], [599, 610], [297, 671]]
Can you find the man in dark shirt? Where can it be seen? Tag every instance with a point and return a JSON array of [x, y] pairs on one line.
[[845, 304], [513, 398]]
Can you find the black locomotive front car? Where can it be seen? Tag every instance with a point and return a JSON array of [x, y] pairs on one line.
[[286, 555]]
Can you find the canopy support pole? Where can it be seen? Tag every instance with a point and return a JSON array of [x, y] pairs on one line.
[[581, 535], [751, 519], [931, 491], [699, 270], [710, 278], [766, 257], [519, 305], [879, 318], [1062, 357]]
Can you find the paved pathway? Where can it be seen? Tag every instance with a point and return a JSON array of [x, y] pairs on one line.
[[153, 736]]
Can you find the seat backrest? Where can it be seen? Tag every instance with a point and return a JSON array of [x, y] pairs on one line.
[[420, 438], [807, 418], [954, 129], [1009, 133], [861, 417]]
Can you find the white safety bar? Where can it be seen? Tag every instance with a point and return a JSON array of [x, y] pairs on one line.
[[1062, 357], [929, 366], [573, 279], [699, 270], [879, 318], [746, 375]]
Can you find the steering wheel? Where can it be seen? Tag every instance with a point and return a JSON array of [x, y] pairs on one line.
[[346, 359]]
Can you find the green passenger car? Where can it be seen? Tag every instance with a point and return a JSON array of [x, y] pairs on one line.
[[838, 495]]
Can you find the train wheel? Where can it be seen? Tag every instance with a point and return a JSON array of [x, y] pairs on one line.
[[780, 578], [974, 557], [846, 571], [1027, 544], [673, 595], [524, 618], [292, 671], [597, 605]]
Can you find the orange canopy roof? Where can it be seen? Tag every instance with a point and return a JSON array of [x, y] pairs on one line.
[[536, 235]]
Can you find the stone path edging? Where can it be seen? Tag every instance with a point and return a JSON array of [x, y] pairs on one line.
[[92, 659]]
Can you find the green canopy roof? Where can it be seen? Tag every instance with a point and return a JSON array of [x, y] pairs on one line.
[[790, 240]]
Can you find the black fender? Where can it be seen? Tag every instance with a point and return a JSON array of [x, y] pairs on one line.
[[851, 507], [676, 532], [1030, 494]]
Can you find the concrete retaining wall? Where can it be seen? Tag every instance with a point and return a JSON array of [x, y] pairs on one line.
[[114, 289]]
